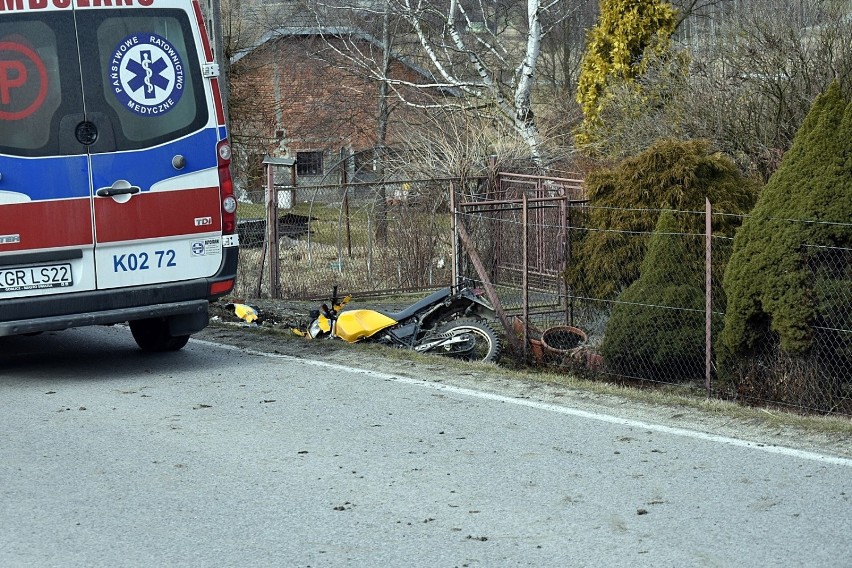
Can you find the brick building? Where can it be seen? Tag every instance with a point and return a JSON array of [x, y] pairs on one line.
[[297, 94]]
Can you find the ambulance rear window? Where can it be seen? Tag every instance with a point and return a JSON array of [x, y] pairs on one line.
[[33, 50], [143, 72]]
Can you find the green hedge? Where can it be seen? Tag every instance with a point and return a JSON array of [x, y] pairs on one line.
[[656, 329]]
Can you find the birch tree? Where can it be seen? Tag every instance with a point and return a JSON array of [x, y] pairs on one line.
[[485, 53], [475, 63]]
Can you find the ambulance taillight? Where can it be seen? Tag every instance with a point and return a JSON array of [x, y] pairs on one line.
[[226, 184]]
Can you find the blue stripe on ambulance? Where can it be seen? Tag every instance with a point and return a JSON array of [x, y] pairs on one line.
[[41, 179], [146, 167]]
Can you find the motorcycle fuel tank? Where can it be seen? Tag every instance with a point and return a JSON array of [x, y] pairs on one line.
[[353, 325]]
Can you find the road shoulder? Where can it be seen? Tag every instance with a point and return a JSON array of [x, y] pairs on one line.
[[829, 436]]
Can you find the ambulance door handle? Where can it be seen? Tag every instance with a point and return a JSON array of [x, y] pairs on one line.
[[120, 187]]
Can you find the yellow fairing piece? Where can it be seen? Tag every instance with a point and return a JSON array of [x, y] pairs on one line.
[[353, 325], [343, 302], [245, 313]]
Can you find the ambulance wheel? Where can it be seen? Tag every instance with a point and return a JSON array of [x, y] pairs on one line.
[[153, 335]]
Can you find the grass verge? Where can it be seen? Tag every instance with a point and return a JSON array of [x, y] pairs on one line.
[[671, 397]]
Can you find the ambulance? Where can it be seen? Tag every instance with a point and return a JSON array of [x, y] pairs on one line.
[[116, 199]]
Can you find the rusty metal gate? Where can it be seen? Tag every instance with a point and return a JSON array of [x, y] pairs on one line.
[[516, 235]]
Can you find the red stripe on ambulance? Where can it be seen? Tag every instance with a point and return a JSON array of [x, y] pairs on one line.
[[205, 41], [183, 212], [46, 224], [217, 101]]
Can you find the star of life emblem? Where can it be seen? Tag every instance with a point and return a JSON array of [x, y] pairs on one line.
[[147, 74]]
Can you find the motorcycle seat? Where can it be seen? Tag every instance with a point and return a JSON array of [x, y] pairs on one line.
[[419, 305]]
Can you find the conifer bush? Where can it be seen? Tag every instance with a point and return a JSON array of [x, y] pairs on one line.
[[787, 278], [624, 205], [615, 50], [656, 328]]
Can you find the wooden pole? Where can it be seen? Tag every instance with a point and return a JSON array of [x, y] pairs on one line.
[[489, 287], [272, 234], [344, 182]]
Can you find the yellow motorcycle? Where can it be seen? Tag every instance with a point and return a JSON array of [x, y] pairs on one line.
[[451, 322]]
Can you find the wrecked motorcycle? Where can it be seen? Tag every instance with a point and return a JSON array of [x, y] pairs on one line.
[[449, 322]]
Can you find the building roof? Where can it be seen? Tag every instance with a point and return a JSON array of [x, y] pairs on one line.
[[335, 31]]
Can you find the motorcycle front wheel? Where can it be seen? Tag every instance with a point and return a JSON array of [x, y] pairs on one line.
[[480, 342]]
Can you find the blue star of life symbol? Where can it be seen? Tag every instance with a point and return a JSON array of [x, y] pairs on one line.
[[147, 74]]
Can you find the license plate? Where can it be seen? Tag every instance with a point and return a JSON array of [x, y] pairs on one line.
[[35, 277]]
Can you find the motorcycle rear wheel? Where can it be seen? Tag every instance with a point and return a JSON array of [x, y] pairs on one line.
[[482, 342]]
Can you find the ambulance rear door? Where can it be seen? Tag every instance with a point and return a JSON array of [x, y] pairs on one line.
[[46, 235], [153, 144]]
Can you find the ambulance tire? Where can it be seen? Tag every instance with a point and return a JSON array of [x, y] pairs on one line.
[[153, 335]]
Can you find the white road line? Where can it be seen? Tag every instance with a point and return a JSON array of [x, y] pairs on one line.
[[772, 449]]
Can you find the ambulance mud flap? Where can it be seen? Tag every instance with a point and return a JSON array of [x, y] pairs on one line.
[[224, 280]]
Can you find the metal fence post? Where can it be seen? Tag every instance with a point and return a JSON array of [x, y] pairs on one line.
[[566, 258], [708, 302], [456, 266], [525, 276]]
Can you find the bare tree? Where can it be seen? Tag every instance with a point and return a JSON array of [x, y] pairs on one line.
[[751, 91], [243, 23], [562, 49], [744, 77], [486, 53]]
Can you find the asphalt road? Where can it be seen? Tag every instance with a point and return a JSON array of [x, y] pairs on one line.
[[220, 457]]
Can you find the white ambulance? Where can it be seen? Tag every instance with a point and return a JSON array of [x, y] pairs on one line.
[[116, 201]]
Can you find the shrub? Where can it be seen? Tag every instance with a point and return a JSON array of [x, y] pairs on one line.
[[787, 283], [669, 175], [656, 330], [769, 282], [614, 52]]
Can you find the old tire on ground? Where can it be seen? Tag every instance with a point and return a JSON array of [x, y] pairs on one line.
[[153, 335], [482, 343]]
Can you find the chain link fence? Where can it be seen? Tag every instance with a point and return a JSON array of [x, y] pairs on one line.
[[365, 238], [644, 307], [641, 298], [609, 299], [816, 378]]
